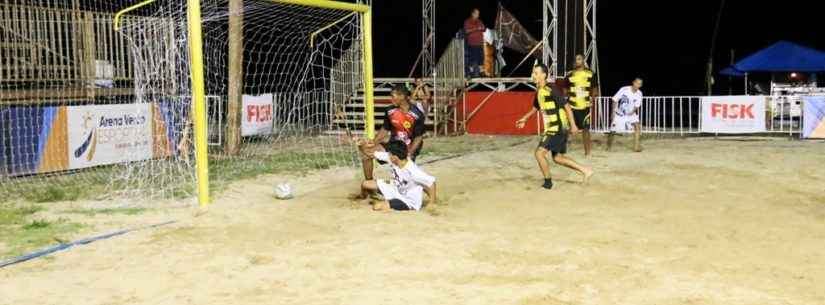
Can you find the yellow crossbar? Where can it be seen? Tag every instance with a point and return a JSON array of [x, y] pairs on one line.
[[361, 8], [128, 9]]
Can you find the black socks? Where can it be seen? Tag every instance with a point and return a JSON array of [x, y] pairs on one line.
[[548, 183]]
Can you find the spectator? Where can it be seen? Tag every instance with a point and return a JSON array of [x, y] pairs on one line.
[[474, 34], [421, 96]]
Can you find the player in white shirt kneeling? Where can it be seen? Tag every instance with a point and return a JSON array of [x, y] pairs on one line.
[[405, 191]]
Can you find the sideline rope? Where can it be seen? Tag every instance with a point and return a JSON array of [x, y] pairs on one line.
[[65, 246]]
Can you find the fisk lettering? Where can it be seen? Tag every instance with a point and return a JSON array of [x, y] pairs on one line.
[[731, 111]]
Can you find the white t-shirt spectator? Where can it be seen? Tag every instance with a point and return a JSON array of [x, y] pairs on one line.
[[407, 184], [626, 101]]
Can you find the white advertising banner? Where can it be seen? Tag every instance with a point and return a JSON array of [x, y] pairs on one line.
[[733, 114], [108, 134], [257, 115]]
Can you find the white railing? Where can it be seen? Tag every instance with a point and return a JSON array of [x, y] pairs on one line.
[[662, 115], [784, 114], [682, 115]]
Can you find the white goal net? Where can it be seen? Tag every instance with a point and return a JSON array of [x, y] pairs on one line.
[[90, 112]]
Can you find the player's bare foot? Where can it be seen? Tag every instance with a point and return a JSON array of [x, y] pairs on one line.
[[379, 206], [586, 175]]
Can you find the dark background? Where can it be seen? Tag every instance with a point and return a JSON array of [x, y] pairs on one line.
[[665, 42]]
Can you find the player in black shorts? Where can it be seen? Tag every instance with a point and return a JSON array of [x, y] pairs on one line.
[[581, 88], [555, 111]]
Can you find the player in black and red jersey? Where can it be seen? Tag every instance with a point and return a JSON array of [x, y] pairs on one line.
[[402, 122]]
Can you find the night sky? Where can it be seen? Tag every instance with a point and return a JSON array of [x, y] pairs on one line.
[[665, 42]]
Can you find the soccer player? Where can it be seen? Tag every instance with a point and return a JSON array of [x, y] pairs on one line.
[[405, 191], [581, 87], [402, 122], [555, 112], [625, 117]]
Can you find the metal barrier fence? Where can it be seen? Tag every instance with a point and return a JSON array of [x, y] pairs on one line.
[[682, 115], [665, 115], [448, 87]]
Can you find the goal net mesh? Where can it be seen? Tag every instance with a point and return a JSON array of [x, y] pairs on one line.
[[111, 114]]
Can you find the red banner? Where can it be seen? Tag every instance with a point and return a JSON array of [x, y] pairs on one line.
[[499, 114]]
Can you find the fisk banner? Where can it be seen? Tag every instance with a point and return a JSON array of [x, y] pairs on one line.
[[257, 115], [733, 114]]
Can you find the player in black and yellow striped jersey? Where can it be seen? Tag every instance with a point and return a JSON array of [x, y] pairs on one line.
[[581, 89], [555, 111]]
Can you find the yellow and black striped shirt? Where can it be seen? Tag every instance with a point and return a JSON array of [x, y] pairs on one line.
[[550, 102], [580, 84]]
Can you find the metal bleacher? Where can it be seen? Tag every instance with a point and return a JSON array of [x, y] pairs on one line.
[[352, 116]]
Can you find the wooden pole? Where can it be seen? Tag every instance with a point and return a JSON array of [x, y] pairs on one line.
[[89, 54], [235, 94]]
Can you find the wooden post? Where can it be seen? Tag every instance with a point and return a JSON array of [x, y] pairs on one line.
[[89, 54], [76, 33], [235, 94]]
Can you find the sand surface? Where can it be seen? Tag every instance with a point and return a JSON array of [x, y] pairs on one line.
[[688, 221]]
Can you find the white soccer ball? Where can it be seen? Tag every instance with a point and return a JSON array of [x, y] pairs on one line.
[[283, 191]]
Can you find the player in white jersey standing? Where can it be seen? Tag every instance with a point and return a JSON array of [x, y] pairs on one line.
[[405, 192], [625, 115]]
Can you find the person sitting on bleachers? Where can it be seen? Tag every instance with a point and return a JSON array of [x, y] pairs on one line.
[[421, 96]]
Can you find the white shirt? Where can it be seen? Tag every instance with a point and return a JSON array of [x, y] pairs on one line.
[[627, 100], [408, 182], [421, 107]]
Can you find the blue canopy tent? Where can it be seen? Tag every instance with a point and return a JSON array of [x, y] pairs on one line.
[[782, 56], [731, 71]]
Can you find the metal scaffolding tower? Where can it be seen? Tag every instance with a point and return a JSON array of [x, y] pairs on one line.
[[550, 35], [591, 54], [428, 56], [569, 28]]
